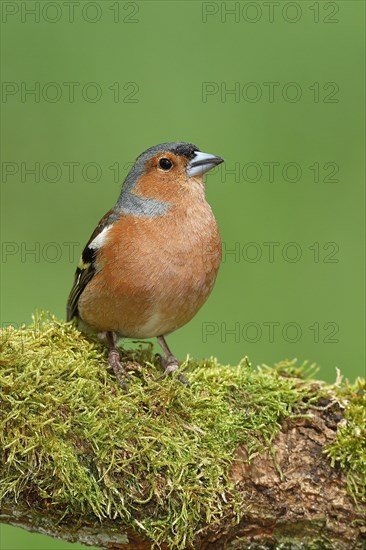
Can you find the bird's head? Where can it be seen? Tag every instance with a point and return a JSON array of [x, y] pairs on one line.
[[168, 172]]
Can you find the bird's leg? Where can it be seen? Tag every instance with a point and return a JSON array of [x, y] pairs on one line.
[[170, 362], [114, 360]]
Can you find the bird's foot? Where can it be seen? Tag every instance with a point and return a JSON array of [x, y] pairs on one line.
[[171, 365], [115, 363]]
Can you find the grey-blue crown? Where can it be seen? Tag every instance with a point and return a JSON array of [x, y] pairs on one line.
[[178, 148]]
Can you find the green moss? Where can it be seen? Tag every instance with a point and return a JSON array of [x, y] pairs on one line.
[[158, 458], [349, 449]]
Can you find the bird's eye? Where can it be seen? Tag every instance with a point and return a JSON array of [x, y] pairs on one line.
[[165, 164]]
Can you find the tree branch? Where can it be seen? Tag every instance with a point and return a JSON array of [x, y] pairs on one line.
[[243, 459]]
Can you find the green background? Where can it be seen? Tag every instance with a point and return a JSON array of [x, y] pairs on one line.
[[169, 51]]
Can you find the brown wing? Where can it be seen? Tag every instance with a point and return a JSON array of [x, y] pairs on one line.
[[86, 268]]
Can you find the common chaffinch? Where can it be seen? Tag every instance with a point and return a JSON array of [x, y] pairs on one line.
[[152, 260]]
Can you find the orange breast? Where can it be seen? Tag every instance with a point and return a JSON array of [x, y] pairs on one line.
[[154, 274]]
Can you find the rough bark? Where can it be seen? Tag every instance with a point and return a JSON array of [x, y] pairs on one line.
[[292, 498]]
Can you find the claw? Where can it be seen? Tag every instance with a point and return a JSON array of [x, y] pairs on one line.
[[115, 363], [171, 366]]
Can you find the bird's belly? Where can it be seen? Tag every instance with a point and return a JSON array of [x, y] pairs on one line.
[[158, 305], [175, 305], [157, 298]]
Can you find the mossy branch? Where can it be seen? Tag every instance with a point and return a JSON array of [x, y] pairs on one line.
[[245, 458]]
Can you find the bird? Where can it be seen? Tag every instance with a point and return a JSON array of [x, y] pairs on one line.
[[152, 260]]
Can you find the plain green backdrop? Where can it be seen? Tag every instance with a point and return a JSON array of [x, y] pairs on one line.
[[275, 88]]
